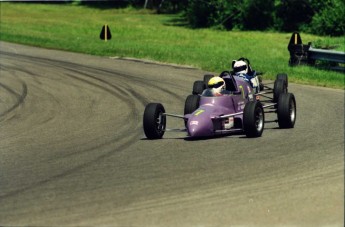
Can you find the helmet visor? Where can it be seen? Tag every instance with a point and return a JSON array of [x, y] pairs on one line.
[[217, 85], [240, 68]]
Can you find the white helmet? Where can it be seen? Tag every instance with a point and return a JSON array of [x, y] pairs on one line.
[[239, 67], [216, 84]]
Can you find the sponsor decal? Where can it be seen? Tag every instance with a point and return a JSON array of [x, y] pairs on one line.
[[240, 105], [194, 123], [197, 113], [241, 88]]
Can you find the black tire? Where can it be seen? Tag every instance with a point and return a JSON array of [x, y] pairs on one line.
[[154, 121], [286, 110], [198, 87], [207, 78], [261, 84], [191, 104], [262, 87], [279, 88], [224, 73], [283, 76], [253, 119]]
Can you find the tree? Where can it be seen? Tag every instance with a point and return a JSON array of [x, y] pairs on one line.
[[330, 20], [257, 14], [291, 14]]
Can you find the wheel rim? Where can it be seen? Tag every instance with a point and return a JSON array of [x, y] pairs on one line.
[[292, 111], [259, 120], [160, 122]]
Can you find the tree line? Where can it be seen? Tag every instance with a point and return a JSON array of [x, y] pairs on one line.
[[325, 17]]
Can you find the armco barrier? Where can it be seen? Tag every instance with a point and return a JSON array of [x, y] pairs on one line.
[[305, 54]]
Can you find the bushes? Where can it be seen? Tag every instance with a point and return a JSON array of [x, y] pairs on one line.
[[292, 14], [330, 21], [258, 14], [202, 14], [247, 15], [319, 17], [326, 17]]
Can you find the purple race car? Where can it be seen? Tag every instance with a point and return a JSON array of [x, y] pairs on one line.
[[240, 109]]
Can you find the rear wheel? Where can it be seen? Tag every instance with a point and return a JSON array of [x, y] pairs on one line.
[[191, 104], [207, 78], [261, 84], [198, 87], [253, 119], [154, 121], [283, 76], [286, 110], [280, 87]]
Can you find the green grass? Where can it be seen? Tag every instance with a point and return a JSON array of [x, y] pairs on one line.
[[143, 34]]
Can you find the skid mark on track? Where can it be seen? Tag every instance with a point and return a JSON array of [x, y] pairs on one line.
[[119, 148], [20, 97], [97, 71], [86, 75]]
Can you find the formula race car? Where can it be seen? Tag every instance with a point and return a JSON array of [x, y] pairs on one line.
[[226, 104]]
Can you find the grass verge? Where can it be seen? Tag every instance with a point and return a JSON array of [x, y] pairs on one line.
[[142, 34]]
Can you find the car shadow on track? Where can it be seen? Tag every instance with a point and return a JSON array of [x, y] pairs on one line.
[[239, 135]]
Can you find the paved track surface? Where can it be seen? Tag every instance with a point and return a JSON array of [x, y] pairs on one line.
[[73, 153]]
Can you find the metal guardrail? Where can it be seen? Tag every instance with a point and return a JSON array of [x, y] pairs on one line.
[[301, 54], [326, 55]]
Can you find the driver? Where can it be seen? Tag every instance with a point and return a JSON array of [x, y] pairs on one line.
[[216, 86], [243, 70]]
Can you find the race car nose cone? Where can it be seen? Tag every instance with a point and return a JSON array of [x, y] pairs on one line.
[[200, 128]]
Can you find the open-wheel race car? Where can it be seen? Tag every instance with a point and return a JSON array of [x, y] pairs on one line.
[[239, 108]]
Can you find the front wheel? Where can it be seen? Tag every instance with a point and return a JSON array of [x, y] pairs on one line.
[[253, 119], [154, 121], [286, 110]]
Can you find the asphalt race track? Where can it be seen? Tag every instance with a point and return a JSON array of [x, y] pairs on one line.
[[73, 152]]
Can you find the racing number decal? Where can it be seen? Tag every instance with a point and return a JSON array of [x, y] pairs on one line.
[[241, 87], [199, 112]]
